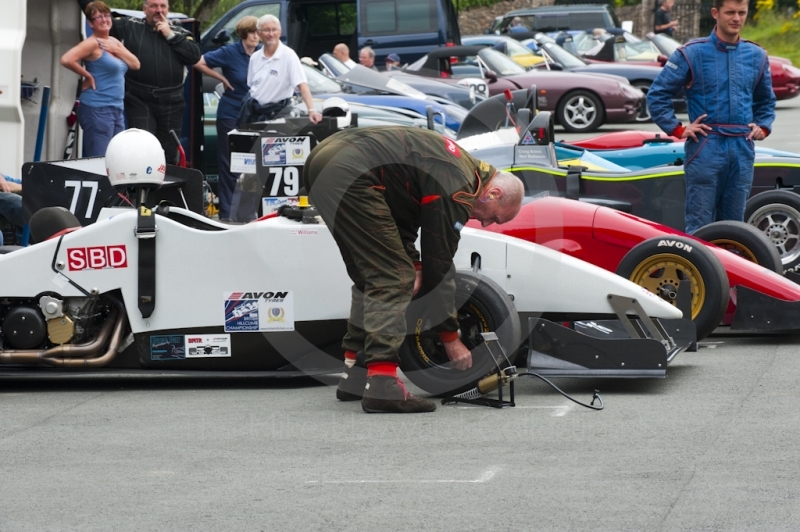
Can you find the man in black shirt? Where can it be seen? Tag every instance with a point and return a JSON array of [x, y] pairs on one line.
[[662, 22], [154, 93]]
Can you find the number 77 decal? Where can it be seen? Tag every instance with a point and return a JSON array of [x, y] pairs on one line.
[[77, 185]]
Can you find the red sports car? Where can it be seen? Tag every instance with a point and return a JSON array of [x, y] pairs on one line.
[[670, 263], [657, 48], [785, 77]]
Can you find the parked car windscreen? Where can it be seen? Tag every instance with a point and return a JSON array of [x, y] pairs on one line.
[[560, 55], [319, 83], [230, 25], [500, 63], [666, 44]]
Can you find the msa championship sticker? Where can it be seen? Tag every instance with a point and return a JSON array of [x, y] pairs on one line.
[[259, 311], [283, 151], [208, 345]]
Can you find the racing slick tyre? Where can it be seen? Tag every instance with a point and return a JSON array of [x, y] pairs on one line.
[[484, 307], [744, 240], [776, 213], [662, 265], [580, 112], [644, 111]]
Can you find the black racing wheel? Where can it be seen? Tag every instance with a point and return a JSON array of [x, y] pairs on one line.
[[663, 264], [644, 110], [776, 213], [744, 240], [482, 307]]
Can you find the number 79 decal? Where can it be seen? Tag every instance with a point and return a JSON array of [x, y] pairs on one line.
[[290, 177], [77, 186]]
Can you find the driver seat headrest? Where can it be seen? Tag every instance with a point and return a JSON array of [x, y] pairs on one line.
[[50, 222]]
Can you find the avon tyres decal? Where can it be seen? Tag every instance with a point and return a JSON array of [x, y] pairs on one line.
[[675, 244], [283, 151], [257, 311]]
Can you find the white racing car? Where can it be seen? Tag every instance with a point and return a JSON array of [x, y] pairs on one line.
[[170, 291]]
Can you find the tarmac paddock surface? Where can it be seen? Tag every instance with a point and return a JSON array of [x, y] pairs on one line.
[[712, 446]]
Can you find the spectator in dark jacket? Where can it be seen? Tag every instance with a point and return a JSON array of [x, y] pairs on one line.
[[154, 93]]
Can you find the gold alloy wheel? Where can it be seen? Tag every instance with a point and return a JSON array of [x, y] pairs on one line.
[[735, 247], [663, 274]]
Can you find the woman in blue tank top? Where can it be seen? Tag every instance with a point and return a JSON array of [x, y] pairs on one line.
[[101, 112]]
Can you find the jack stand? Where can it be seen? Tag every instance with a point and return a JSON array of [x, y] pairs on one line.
[[503, 374]]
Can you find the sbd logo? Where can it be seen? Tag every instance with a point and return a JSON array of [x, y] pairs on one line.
[[96, 258]]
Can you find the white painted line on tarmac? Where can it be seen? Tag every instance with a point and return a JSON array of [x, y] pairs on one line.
[[486, 476], [558, 411]]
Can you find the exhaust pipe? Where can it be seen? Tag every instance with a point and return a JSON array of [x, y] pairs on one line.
[[76, 356]]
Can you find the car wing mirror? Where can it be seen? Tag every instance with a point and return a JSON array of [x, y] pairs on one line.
[[221, 37], [491, 75], [662, 59]]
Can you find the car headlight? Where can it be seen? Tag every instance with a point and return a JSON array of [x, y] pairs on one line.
[[629, 90]]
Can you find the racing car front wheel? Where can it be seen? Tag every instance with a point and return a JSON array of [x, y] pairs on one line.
[[482, 307], [744, 240], [663, 264], [776, 213]]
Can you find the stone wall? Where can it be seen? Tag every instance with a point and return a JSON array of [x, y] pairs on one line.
[[475, 21]]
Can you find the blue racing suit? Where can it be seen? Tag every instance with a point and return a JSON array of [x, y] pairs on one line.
[[730, 83]]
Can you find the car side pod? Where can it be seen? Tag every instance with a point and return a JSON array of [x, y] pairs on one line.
[[621, 348]]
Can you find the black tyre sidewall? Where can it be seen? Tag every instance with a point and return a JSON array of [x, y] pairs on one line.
[[598, 121], [485, 297], [777, 197], [711, 271], [755, 241], [644, 86]]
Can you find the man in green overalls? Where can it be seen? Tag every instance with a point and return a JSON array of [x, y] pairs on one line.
[[376, 188]]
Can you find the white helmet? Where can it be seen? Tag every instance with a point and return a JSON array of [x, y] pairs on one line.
[[135, 158], [336, 107]]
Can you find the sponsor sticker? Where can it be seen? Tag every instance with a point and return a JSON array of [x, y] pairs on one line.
[[97, 257], [452, 147], [168, 347], [528, 139], [243, 163], [208, 345], [282, 151], [257, 311], [270, 205]]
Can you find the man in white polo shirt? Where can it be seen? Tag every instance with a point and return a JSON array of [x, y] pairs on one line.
[[273, 75]]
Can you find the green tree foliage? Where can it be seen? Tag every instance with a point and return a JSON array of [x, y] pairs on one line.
[[194, 8]]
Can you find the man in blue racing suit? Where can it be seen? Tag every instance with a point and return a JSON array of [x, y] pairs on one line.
[[731, 104]]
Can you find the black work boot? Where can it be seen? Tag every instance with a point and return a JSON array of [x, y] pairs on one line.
[[351, 385], [389, 395]]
